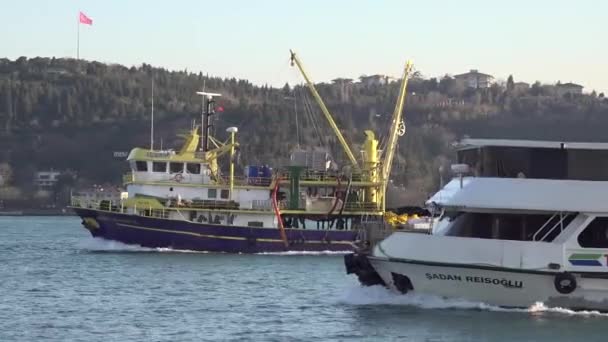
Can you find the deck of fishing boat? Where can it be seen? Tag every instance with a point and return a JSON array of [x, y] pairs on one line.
[[260, 207], [309, 177]]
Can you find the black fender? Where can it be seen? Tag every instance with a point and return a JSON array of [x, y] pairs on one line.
[[565, 283]]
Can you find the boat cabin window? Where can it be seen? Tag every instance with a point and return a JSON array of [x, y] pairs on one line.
[[225, 193], [176, 167], [211, 193], [141, 165], [595, 235], [255, 224], [159, 166], [193, 168], [519, 227], [536, 162]]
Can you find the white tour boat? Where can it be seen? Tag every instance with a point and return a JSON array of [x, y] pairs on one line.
[[530, 226]]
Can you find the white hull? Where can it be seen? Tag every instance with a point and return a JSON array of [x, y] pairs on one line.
[[500, 287]]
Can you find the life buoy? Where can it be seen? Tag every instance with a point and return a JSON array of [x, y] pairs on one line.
[[178, 177], [565, 283]]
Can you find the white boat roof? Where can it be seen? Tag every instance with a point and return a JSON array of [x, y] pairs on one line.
[[524, 194], [474, 143]]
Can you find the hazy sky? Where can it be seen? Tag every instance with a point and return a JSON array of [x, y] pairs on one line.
[[546, 40]]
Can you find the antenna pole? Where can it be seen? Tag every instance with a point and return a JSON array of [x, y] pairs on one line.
[[207, 110], [152, 119], [295, 109]]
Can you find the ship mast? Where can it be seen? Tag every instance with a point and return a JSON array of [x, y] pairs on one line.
[[208, 110]]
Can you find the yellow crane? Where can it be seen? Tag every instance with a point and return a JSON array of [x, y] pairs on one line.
[[332, 123], [397, 129], [377, 167]]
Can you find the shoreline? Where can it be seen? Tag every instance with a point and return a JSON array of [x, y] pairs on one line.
[[37, 212]]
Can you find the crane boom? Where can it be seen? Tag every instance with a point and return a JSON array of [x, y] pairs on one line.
[[325, 111], [391, 145]]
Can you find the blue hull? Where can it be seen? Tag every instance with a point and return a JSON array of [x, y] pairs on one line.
[[155, 232]]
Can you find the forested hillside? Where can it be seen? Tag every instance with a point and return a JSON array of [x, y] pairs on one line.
[[73, 115]]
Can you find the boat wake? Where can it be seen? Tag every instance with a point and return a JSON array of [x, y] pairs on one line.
[[541, 308], [100, 245], [103, 245], [306, 253], [379, 295]]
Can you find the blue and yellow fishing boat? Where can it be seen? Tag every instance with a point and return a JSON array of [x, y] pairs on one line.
[[181, 199]]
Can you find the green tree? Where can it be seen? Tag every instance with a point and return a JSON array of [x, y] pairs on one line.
[[510, 83], [536, 89], [286, 89]]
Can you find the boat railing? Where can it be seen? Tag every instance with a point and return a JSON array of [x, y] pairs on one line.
[[161, 177], [203, 204], [158, 213], [307, 176], [321, 176], [116, 205], [103, 204], [372, 232], [361, 206], [547, 232], [131, 177], [243, 181], [261, 204]]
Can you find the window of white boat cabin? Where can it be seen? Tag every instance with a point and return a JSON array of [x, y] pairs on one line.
[[500, 226], [225, 193], [141, 165], [193, 168], [536, 162], [176, 167], [211, 193], [159, 166], [595, 235]]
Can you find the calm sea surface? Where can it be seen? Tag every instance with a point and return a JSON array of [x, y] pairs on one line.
[[59, 284]]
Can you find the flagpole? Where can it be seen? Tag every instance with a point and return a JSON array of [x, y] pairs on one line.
[[78, 39]]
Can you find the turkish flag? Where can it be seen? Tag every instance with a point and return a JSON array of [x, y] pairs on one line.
[[85, 20]]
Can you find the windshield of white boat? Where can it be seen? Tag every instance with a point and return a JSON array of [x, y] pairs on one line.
[[504, 226], [595, 235]]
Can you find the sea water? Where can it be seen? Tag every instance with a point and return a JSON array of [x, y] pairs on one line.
[[59, 284]]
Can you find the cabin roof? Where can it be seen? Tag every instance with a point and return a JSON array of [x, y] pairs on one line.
[[524, 194], [162, 156], [475, 143]]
